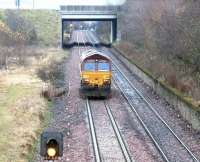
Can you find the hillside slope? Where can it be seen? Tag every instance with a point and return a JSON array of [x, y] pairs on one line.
[[44, 24], [47, 25], [164, 38]]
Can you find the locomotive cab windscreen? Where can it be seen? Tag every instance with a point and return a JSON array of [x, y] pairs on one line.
[[89, 65], [96, 65], [103, 66]]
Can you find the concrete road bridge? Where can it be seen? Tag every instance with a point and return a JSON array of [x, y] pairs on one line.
[[91, 13]]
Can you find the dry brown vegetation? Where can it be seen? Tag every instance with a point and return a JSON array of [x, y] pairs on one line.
[[163, 37], [22, 28], [23, 65], [23, 111], [11, 44]]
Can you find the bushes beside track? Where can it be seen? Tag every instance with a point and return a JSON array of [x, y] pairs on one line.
[[20, 29], [191, 102]]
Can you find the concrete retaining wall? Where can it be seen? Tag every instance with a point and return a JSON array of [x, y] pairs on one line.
[[189, 112]]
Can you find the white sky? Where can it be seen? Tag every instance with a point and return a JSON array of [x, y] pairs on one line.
[[54, 4]]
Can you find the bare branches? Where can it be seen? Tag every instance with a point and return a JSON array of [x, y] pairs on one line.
[[169, 31], [171, 28]]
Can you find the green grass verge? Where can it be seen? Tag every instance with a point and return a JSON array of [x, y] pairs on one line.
[[12, 94], [47, 118]]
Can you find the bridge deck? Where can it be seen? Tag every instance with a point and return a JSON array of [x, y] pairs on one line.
[[82, 10]]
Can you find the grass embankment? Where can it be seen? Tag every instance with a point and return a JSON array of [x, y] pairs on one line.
[[23, 112]]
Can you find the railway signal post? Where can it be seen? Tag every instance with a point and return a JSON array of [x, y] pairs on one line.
[[51, 145]]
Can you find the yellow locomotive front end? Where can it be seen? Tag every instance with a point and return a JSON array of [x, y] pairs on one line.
[[95, 76]]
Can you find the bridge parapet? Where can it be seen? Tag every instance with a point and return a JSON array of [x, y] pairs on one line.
[[82, 10]]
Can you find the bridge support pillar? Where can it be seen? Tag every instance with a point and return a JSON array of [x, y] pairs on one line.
[[62, 33], [113, 33]]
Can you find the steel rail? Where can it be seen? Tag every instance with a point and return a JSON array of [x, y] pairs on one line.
[[91, 123], [84, 41], [156, 113], [153, 110], [143, 124], [118, 135], [93, 133], [145, 127], [89, 38]]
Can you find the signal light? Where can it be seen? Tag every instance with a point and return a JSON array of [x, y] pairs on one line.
[[51, 145], [51, 152]]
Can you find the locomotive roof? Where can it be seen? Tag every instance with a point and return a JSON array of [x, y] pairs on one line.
[[93, 54]]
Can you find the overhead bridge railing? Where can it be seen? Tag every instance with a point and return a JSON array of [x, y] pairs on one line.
[[89, 9]]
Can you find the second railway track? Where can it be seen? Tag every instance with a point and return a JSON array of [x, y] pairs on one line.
[[171, 147]]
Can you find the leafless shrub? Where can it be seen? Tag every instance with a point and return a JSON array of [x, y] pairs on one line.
[[159, 70], [21, 25], [5, 41], [51, 92], [185, 87], [172, 80], [15, 34], [51, 72]]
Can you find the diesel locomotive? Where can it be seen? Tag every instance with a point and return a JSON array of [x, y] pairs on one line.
[[95, 74]]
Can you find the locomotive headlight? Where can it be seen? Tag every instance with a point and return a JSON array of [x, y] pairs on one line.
[[107, 81], [51, 152], [85, 79]]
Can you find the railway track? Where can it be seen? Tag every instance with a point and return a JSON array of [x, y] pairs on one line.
[[97, 151], [118, 134], [170, 146], [120, 147], [163, 137], [93, 133], [155, 125]]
